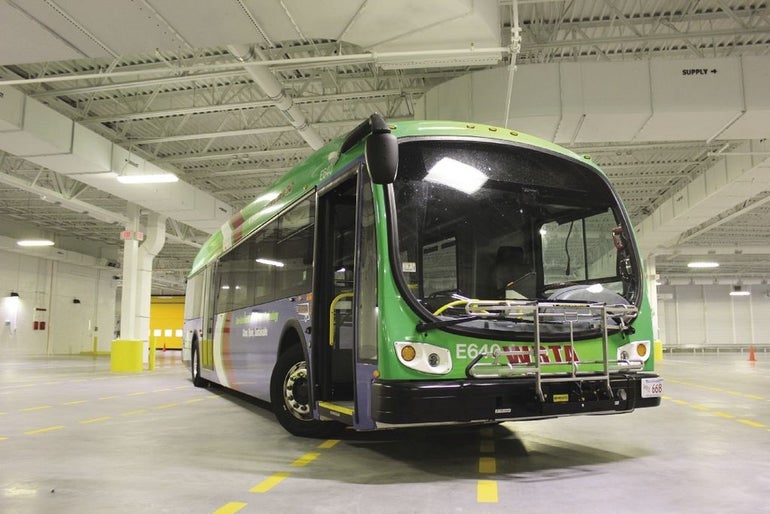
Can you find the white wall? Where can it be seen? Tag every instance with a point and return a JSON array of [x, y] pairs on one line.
[[44, 284], [696, 315]]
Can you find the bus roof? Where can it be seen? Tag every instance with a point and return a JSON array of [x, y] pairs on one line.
[[326, 162]]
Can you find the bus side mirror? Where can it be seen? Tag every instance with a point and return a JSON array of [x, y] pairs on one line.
[[381, 152]]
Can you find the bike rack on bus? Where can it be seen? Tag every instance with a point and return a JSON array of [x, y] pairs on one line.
[[507, 363]]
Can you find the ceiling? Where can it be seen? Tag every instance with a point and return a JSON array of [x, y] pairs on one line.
[[157, 78]]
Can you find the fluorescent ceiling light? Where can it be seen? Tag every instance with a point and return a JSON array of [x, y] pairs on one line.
[[698, 264], [35, 242], [155, 178], [457, 175], [270, 262], [737, 291]]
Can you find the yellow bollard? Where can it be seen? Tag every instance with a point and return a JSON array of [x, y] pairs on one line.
[[126, 355], [658, 350], [151, 360]]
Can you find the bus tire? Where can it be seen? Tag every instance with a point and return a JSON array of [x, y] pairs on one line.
[[290, 397], [195, 367]]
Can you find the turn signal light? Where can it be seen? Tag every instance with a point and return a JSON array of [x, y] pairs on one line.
[[641, 349], [408, 353]]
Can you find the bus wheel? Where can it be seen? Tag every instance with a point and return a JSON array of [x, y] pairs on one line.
[[290, 397], [195, 367]]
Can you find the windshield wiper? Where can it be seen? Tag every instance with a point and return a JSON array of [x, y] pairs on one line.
[[430, 325]]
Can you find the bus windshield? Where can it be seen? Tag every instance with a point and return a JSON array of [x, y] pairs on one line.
[[492, 221]]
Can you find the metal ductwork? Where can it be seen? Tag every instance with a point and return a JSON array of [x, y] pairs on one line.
[[264, 78], [35, 132]]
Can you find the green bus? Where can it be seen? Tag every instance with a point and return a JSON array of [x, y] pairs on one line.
[[426, 272]]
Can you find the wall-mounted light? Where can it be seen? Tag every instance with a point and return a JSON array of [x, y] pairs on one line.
[[14, 294], [75, 300]]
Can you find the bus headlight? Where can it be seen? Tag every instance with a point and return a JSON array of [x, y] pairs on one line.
[[634, 353], [424, 357]]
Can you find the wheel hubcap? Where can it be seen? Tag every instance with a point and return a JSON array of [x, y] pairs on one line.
[[295, 392]]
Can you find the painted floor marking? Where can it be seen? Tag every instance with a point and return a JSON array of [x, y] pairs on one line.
[[752, 423], [95, 420], [230, 508], [134, 412], [487, 465], [75, 402], [39, 407], [46, 429], [331, 443], [306, 459], [486, 491], [270, 482]]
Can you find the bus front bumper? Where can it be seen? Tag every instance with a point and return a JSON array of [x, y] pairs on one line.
[[410, 402]]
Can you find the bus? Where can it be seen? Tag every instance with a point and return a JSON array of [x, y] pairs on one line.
[[426, 273]]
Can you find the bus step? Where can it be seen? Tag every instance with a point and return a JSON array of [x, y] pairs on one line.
[[342, 411]]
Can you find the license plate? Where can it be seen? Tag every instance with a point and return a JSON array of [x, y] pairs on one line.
[[652, 387]]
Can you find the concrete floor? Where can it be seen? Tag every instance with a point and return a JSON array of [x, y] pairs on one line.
[[75, 438]]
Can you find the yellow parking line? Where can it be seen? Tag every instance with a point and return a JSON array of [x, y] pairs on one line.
[[487, 446], [76, 402], [194, 400], [752, 423], [3, 438], [230, 508], [487, 465], [331, 443], [46, 429], [723, 415], [167, 406], [108, 397], [486, 491], [138, 393], [95, 420], [39, 407], [270, 482], [306, 459], [134, 412]]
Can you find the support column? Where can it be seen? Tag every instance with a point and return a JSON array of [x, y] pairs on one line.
[[651, 279], [153, 244], [126, 353]]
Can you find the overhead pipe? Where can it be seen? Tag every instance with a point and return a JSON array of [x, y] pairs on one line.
[[264, 78]]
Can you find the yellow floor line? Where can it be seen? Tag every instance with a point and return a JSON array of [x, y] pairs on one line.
[[134, 412], [331, 443], [230, 508], [487, 446], [306, 459], [3, 438], [487, 465], [46, 429], [270, 482], [39, 407], [723, 414], [194, 400], [138, 393], [76, 402], [752, 423], [486, 491], [95, 420], [108, 397], [167, 406]]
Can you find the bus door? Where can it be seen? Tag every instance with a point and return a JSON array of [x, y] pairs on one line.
[[333, 303]]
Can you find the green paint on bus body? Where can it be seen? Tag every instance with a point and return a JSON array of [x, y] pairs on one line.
[[401, 319]]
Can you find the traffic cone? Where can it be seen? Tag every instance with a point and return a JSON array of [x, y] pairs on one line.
[[752, 358]]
